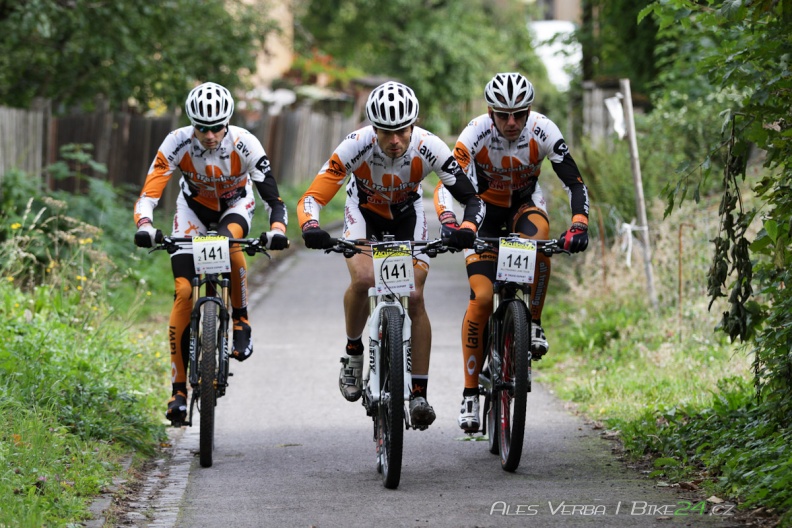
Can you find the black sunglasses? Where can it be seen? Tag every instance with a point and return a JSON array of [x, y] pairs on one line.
[[203, 129], [519, 114]]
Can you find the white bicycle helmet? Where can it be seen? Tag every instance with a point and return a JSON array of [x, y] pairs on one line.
[[392, 106], [509, 90], [209, 104]]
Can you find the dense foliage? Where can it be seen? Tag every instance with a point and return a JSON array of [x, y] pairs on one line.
[[614, 46], [72, 52], [747, 47], [78, 387], [446, 51]]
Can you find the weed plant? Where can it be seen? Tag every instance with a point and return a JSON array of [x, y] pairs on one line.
[[79, 384], [671, 386]]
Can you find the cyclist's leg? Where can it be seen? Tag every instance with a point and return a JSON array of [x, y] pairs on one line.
[[178, 335], [531, 221], [185, 223], [356, 307], [235, 223], [481, 274]]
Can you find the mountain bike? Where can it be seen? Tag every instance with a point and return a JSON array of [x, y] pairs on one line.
[[505, 379], [210, 346], [387, 383]]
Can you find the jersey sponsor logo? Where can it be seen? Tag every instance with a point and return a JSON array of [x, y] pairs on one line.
[[473, 333], [242, 148], [561, 148], [462, 155], [350, 218], [538, 132], [451, 166], [175, 154], [377, 160], [481, 136], [160, 164], [335, 168], [263, 164], [391, 188], [426, 153], [499, 184], [359, 155]]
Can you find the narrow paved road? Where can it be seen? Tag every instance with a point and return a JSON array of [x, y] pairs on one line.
[[291, 452]]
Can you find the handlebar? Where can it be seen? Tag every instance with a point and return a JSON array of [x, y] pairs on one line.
[[350, 247], [547, 247], [171, 244]]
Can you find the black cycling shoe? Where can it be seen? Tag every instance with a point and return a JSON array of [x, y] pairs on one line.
[[177, 408], [243, 344]]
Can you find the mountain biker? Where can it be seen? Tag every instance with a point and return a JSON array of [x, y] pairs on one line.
[[386, 162], [502, 152], [219, 164]]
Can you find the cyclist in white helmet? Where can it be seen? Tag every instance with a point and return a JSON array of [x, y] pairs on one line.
[[219, 164], [386, 163], [502, 153]]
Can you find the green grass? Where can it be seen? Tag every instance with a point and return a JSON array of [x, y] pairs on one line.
[[84, 370], [78, 391], [676, 392]]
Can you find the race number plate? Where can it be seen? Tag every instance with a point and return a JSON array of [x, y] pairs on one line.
[[211, 255], [516, 260], [393, 267]]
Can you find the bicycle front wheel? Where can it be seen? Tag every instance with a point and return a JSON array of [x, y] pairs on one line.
[[512, 396], [207, 383], [490, 411], [390, 410]]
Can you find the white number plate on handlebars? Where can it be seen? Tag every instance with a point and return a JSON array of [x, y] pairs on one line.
[[393, 267], [516, 260], [211, 254]]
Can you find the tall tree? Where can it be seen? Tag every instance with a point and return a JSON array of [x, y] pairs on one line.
[[746, 47], [73, 51], [614, 46], [446, 51]]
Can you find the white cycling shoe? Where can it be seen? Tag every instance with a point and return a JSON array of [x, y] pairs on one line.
[[350, 378], [469, 414]]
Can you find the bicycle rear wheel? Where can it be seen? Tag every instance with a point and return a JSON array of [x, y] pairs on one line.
[[390, 409], [511, 398], [207, 381]]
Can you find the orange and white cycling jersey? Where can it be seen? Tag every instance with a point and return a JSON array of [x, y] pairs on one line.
[[385, 185], [213, 179], [505, 172]]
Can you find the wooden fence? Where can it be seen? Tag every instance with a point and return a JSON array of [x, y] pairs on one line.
[[298, 141], [23, 135]]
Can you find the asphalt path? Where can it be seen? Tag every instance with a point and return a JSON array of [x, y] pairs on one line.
[[291, 452]]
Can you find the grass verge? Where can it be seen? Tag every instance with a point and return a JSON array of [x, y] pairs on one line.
[[662, 379]]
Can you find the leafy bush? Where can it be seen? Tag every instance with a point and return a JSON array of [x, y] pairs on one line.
[[78, 388]]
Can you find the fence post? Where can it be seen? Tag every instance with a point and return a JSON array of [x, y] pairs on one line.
[[640, 204]]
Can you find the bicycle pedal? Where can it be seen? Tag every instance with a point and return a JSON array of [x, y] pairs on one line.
[[230, 373]]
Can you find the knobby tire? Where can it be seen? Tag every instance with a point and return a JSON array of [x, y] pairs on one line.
[[490, 399], [515, 365], [207, 384], [390, 417]]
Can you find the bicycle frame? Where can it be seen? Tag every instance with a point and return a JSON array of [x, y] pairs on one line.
[[504, 292], [212, 282], [377, 302], [390, 339], [217, 291], [508, 341]]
